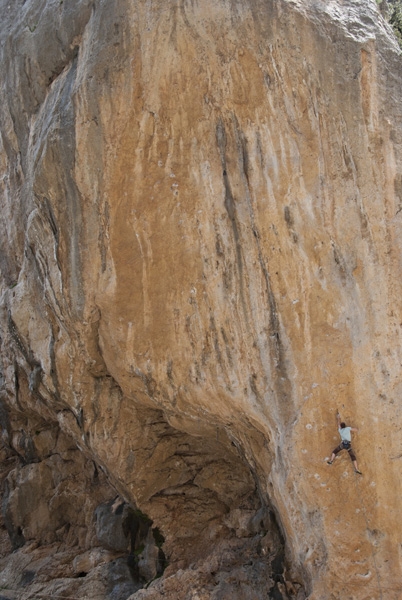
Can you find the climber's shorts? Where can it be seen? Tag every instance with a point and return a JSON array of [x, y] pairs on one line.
[[351, 453]]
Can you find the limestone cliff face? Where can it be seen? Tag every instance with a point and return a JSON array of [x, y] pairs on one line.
[[200, 262]]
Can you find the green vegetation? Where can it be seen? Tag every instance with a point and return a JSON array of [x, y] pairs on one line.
[[396, 20], [136, 512], [138, 551], [392, 12]]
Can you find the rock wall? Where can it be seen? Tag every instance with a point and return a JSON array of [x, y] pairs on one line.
[[200, 262]]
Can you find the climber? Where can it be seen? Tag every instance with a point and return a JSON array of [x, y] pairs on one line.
[[346, 437]]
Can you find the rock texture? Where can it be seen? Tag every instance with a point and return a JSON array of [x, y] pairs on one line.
[[200, 261]]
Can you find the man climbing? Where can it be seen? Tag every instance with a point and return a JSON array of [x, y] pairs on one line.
[[346, 443]]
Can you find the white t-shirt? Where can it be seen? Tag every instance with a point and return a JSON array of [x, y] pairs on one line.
[[345, 434]]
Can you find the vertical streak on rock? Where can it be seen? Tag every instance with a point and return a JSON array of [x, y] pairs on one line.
[[231, 210], [279, 370], [72, 199]]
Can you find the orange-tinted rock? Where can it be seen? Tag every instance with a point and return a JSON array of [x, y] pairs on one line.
[[200, 262]]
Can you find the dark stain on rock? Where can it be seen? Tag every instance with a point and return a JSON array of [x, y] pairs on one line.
[[18, 340], [52, 354], [253, 385], [169, 371], [348, 161], [62, 65], [215, 338], [398, 186], [227, 347], [282, 380], [148, 381], [27, 577], [288, 216], [48, 212], [340, 262], [290, 223], [277, 350], [230, 207], [218, 245]]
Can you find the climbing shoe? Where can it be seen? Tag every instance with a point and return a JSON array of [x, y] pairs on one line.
[[329, 462], [358, 472]]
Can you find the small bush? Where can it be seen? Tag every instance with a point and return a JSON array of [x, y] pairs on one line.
[[392, 12], [395, 20]]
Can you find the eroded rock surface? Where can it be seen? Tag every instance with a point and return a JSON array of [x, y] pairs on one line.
[[200, 261]]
